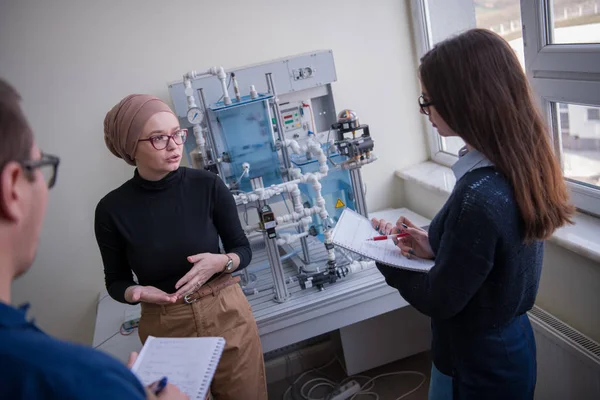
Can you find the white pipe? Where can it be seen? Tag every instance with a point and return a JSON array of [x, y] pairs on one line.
[[305, 222], [198, 133], [297, 216], [253, 235], [251, 228], [189, 93], [328, 240], [289, 225], [311, 146], [223, 78], [295, 173], [236, 88], [267, 193], [195, 74], [253, 92], [219, 72], [200, 140], [358, 266], [288, 238], [294, 146], [300, 213]]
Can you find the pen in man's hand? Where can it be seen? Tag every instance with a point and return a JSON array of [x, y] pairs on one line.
[[159, 386]]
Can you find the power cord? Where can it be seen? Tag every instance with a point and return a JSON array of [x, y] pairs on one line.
[[365, 389], [112, 336], [289, 389], [122, 330]]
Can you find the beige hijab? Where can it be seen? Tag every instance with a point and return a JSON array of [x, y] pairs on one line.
[[124, 123]]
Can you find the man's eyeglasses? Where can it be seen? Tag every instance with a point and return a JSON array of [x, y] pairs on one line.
[[424, 104], [160, 142], [48, 164]]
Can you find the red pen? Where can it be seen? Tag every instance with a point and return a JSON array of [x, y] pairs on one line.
[[386, 237]]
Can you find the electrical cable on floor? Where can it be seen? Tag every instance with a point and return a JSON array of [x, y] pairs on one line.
[[112, 336], [122, 331], [289, 389], [366, 389]]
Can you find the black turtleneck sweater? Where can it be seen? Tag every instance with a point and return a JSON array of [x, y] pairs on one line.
[[151, 228]]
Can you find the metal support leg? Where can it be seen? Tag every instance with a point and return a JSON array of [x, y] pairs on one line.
[[245, 277], [305, 254], [280, 288], [211, 137], [359, 195], [279, 122]]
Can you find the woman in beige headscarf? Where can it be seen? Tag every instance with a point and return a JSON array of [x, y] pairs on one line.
[[164, 225]]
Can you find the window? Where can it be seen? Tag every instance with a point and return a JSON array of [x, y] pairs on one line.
[[574, 13], [562, 60], [558, 44], [436, 20], [580, 144]]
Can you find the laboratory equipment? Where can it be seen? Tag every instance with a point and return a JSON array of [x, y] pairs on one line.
[[281, 150]]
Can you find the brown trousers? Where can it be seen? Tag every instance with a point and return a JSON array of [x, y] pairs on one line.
[[241, 371]]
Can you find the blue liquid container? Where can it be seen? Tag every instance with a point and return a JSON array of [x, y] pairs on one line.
[[244, 131], [336, 189]]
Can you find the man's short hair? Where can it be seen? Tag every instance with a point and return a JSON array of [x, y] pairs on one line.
[[16, 138]]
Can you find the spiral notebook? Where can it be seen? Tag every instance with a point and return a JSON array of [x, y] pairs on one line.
[[352, 231], [188, 363]]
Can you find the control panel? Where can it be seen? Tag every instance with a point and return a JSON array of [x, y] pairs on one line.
[[292, 119]]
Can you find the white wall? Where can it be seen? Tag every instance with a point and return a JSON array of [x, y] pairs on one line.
[[73, 60], [580, 125], [450, 17], [570, 283]]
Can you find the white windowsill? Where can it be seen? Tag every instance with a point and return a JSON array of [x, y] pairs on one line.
[[582, 238]]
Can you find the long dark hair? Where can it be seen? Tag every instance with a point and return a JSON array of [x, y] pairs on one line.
[[479, 88]]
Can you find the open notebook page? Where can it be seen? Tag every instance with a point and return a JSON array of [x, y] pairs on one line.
[[353, 230], [188, 363]]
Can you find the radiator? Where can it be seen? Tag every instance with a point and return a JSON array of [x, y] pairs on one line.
[[568, 361]]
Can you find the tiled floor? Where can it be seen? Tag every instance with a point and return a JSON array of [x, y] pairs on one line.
[[388, 388]]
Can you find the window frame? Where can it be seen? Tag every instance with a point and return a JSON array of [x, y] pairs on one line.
[[558, 73], [422, 33]]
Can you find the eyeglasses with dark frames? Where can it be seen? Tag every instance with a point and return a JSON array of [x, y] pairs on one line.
[[424, 104], [48, 165], [160, 142]]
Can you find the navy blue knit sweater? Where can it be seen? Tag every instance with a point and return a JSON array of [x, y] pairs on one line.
[[484, 273]]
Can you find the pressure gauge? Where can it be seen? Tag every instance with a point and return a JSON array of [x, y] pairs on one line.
[[194, 115]]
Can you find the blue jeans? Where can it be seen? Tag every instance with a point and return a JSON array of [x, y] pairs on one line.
[[440, 386], [498, 364]]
